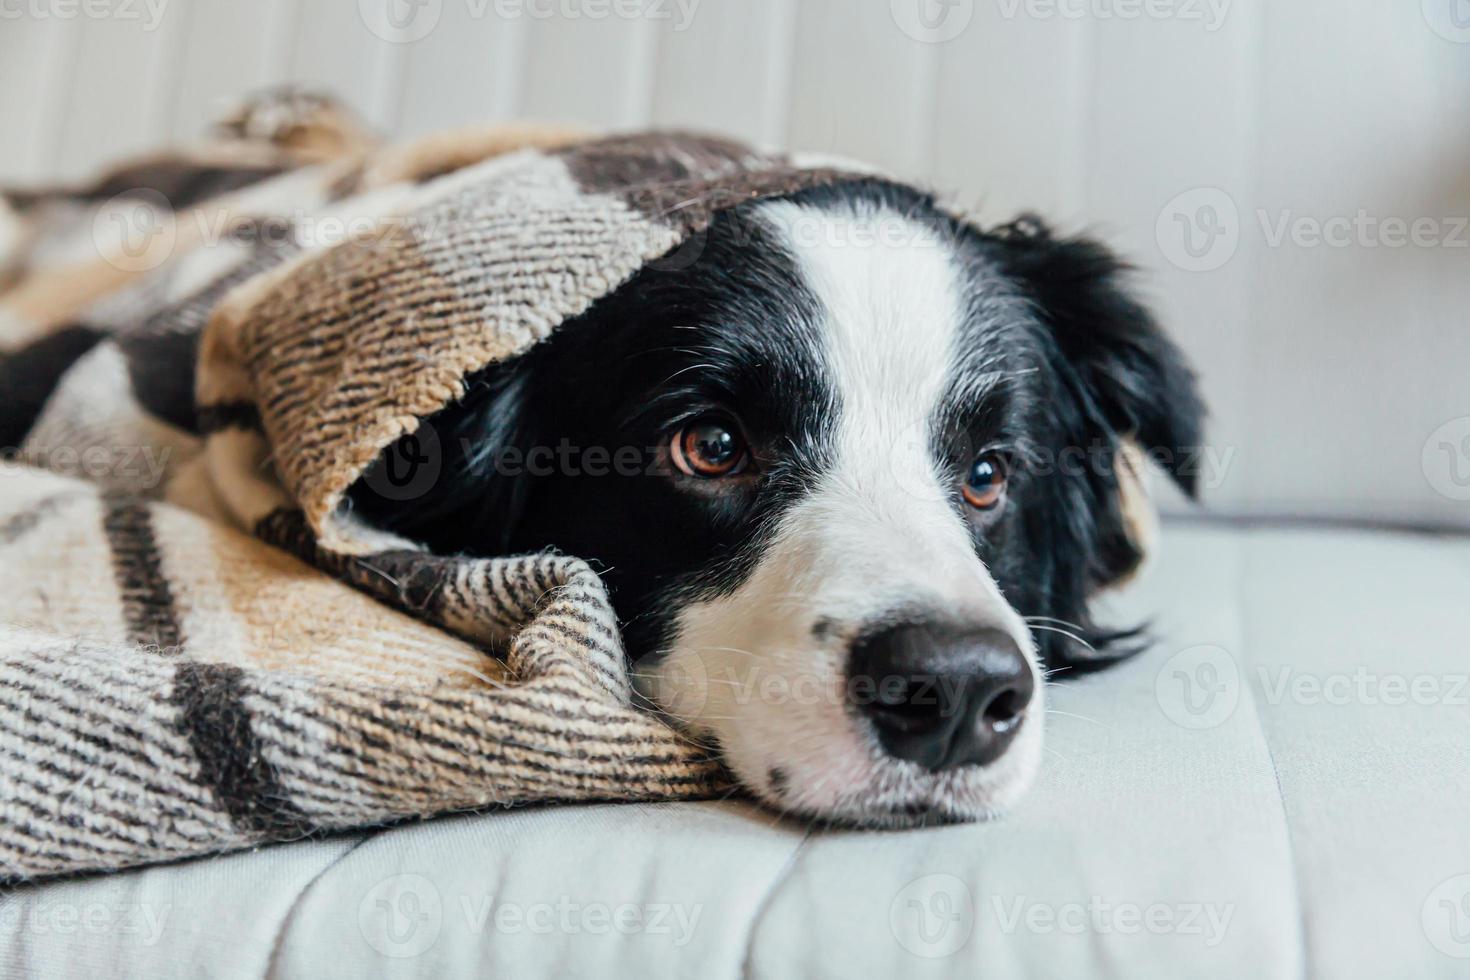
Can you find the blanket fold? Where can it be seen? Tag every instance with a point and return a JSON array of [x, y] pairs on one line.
[[201, 646], [166, 745]]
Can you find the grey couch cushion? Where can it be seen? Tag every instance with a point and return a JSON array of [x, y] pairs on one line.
[[1277, 789]]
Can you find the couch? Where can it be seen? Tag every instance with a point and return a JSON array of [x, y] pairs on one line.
[[1275, 789]]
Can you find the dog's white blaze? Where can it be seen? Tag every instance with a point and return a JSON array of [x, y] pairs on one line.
[[877, 535]]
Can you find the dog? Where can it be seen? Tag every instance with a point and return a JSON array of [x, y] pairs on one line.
[[852, 470]]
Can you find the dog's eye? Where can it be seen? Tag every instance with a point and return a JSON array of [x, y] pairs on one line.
[[709, 447], [985, 484]]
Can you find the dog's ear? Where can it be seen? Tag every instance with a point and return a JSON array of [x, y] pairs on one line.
[[1134, 393], [464, 494]]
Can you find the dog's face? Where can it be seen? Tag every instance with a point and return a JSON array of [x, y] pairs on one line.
[[851, 470]]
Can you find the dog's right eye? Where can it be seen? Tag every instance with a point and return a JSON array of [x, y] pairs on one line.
[[985, 484], [709, 447]]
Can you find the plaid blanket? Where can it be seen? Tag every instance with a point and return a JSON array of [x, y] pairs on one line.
[[201, 648]]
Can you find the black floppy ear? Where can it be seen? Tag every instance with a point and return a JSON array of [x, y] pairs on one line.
[[1127, 386], [464, 494], [1135, 380]]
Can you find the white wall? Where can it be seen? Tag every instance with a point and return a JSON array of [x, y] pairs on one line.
[[1329, 367]]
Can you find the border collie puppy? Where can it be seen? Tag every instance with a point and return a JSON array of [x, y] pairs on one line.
[[852, 469]]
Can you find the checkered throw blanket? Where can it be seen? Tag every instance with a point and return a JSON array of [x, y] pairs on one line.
[[200, 647]]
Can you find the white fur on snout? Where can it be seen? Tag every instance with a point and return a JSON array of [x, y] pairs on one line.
[[877, 537]]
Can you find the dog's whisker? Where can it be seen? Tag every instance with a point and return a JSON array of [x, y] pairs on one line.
[[702, 366], [1054, 629], [744, 653], [485, 679], [1070, 635], [1054, 619]]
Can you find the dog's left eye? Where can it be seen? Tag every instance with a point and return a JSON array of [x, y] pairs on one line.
[[985, 484], [709, 447]]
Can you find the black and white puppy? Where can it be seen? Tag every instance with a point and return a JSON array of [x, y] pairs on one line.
[[851, 474]]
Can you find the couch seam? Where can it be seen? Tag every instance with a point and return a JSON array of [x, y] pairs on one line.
[[763, 906], [1261, 730], [270, 964]]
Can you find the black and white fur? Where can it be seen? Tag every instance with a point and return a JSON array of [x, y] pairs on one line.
[[870, 346]]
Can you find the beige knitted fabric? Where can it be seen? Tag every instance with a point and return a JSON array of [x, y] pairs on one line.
[[200, 648]]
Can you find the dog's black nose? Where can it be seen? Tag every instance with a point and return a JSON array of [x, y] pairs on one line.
[[939, 696]]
